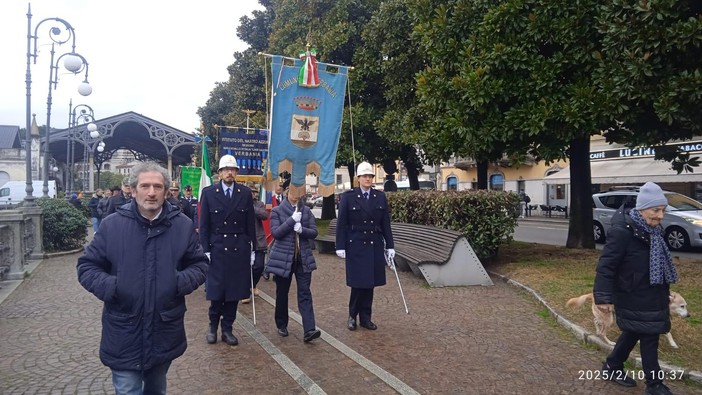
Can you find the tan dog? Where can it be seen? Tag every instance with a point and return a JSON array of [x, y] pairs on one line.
[[604, 321]]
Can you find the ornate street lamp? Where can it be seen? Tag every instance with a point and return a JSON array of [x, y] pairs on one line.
[[80, 114], [74, 63], [60, 32]]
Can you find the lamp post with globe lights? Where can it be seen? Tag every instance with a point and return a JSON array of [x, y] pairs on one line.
[[80, 114], [60, 32], [74, 63]]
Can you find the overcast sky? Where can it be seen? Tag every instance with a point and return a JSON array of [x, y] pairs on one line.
[[158, 58]]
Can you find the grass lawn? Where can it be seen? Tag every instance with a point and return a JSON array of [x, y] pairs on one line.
[[559, 273]]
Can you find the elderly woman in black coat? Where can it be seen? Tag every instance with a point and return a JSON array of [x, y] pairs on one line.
[[293, 227], [633, 275]]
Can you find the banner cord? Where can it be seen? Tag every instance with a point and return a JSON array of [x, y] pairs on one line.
[[353, 146]]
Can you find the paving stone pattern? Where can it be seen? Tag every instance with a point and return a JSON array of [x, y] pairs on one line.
[[467, 340]]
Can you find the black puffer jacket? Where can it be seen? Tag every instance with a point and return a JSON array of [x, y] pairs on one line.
[[622, 279]]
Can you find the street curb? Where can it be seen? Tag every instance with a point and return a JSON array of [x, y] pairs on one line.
[[589, 338], [62, 253]]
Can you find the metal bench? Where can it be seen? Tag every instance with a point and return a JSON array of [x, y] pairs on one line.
[[443, 257]]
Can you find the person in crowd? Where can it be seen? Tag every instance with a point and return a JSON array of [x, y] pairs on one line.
[[364, 239], [178, 201], [142, 272], [633, 278], [524, 201], [188, 197], [95, 216], [293, 227], [104, 201], [227, 231], [123, 197], [278, 196], [75, 201], [260, 246]]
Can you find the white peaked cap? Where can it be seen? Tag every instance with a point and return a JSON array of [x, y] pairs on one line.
[[364, 168], [227, 161]]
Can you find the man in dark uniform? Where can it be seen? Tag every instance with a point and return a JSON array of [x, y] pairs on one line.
[[227, 229], [364, 239], [178, 201], [188, 192]]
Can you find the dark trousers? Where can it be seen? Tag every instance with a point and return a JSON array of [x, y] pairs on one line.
[[258, 266], [225, 310], [649, 354], [304, 299], [361, 304]]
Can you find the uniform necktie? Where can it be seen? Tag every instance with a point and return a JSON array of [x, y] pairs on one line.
[[229, 193], [365, 195]]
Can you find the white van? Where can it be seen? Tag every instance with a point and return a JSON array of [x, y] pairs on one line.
[[13, 192]]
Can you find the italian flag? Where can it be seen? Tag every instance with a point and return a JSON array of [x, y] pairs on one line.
[[309, 77], [205, 178]]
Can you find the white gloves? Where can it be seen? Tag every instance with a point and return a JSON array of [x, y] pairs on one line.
[[341, 253], [297, 216], [390, 253], [298, 227], [253, 257], [207, 254]]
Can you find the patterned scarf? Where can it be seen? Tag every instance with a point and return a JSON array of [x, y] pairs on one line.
[[661, 264]]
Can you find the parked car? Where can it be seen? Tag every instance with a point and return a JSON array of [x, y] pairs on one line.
[[682, 221]]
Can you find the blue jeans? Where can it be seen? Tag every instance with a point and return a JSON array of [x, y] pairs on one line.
[[96, 223], [138, 382]]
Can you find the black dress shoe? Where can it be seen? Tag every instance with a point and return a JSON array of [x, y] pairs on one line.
[[229, 338], [212, 335], [369, 325], [311, 335], [351, 324], [283, 332]]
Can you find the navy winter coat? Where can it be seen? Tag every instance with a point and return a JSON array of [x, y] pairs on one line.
[[281, 255], [227, 229], [142, 271], [622, 279], [363, 230]]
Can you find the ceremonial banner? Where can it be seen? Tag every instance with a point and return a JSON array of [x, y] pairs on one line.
[[305, 120], [190, 175], [249, 147]]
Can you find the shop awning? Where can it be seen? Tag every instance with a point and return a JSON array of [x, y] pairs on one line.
[[629, 171]]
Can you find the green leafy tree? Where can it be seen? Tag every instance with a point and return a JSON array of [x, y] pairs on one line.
[[539, 77], [651, 74]]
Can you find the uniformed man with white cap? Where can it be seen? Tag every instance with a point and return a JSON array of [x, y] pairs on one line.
[[364, 239], [227, 229]]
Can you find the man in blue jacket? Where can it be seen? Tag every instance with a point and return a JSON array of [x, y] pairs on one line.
[[142, 272]]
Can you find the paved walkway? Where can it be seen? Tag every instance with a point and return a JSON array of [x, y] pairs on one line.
[[472, 340]]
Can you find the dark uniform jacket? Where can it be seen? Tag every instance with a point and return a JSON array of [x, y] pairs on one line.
[[363, 230], [227, 229], [142, 271], [283, 249], [622, 278]]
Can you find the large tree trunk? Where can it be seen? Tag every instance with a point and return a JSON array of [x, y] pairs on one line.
[[580, 234], [482, 175], [413, 176]]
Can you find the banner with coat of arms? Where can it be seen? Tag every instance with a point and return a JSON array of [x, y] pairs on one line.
[[306, 112]]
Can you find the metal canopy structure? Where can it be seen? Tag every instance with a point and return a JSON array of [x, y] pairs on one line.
[[130, 131], [146, 138]]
